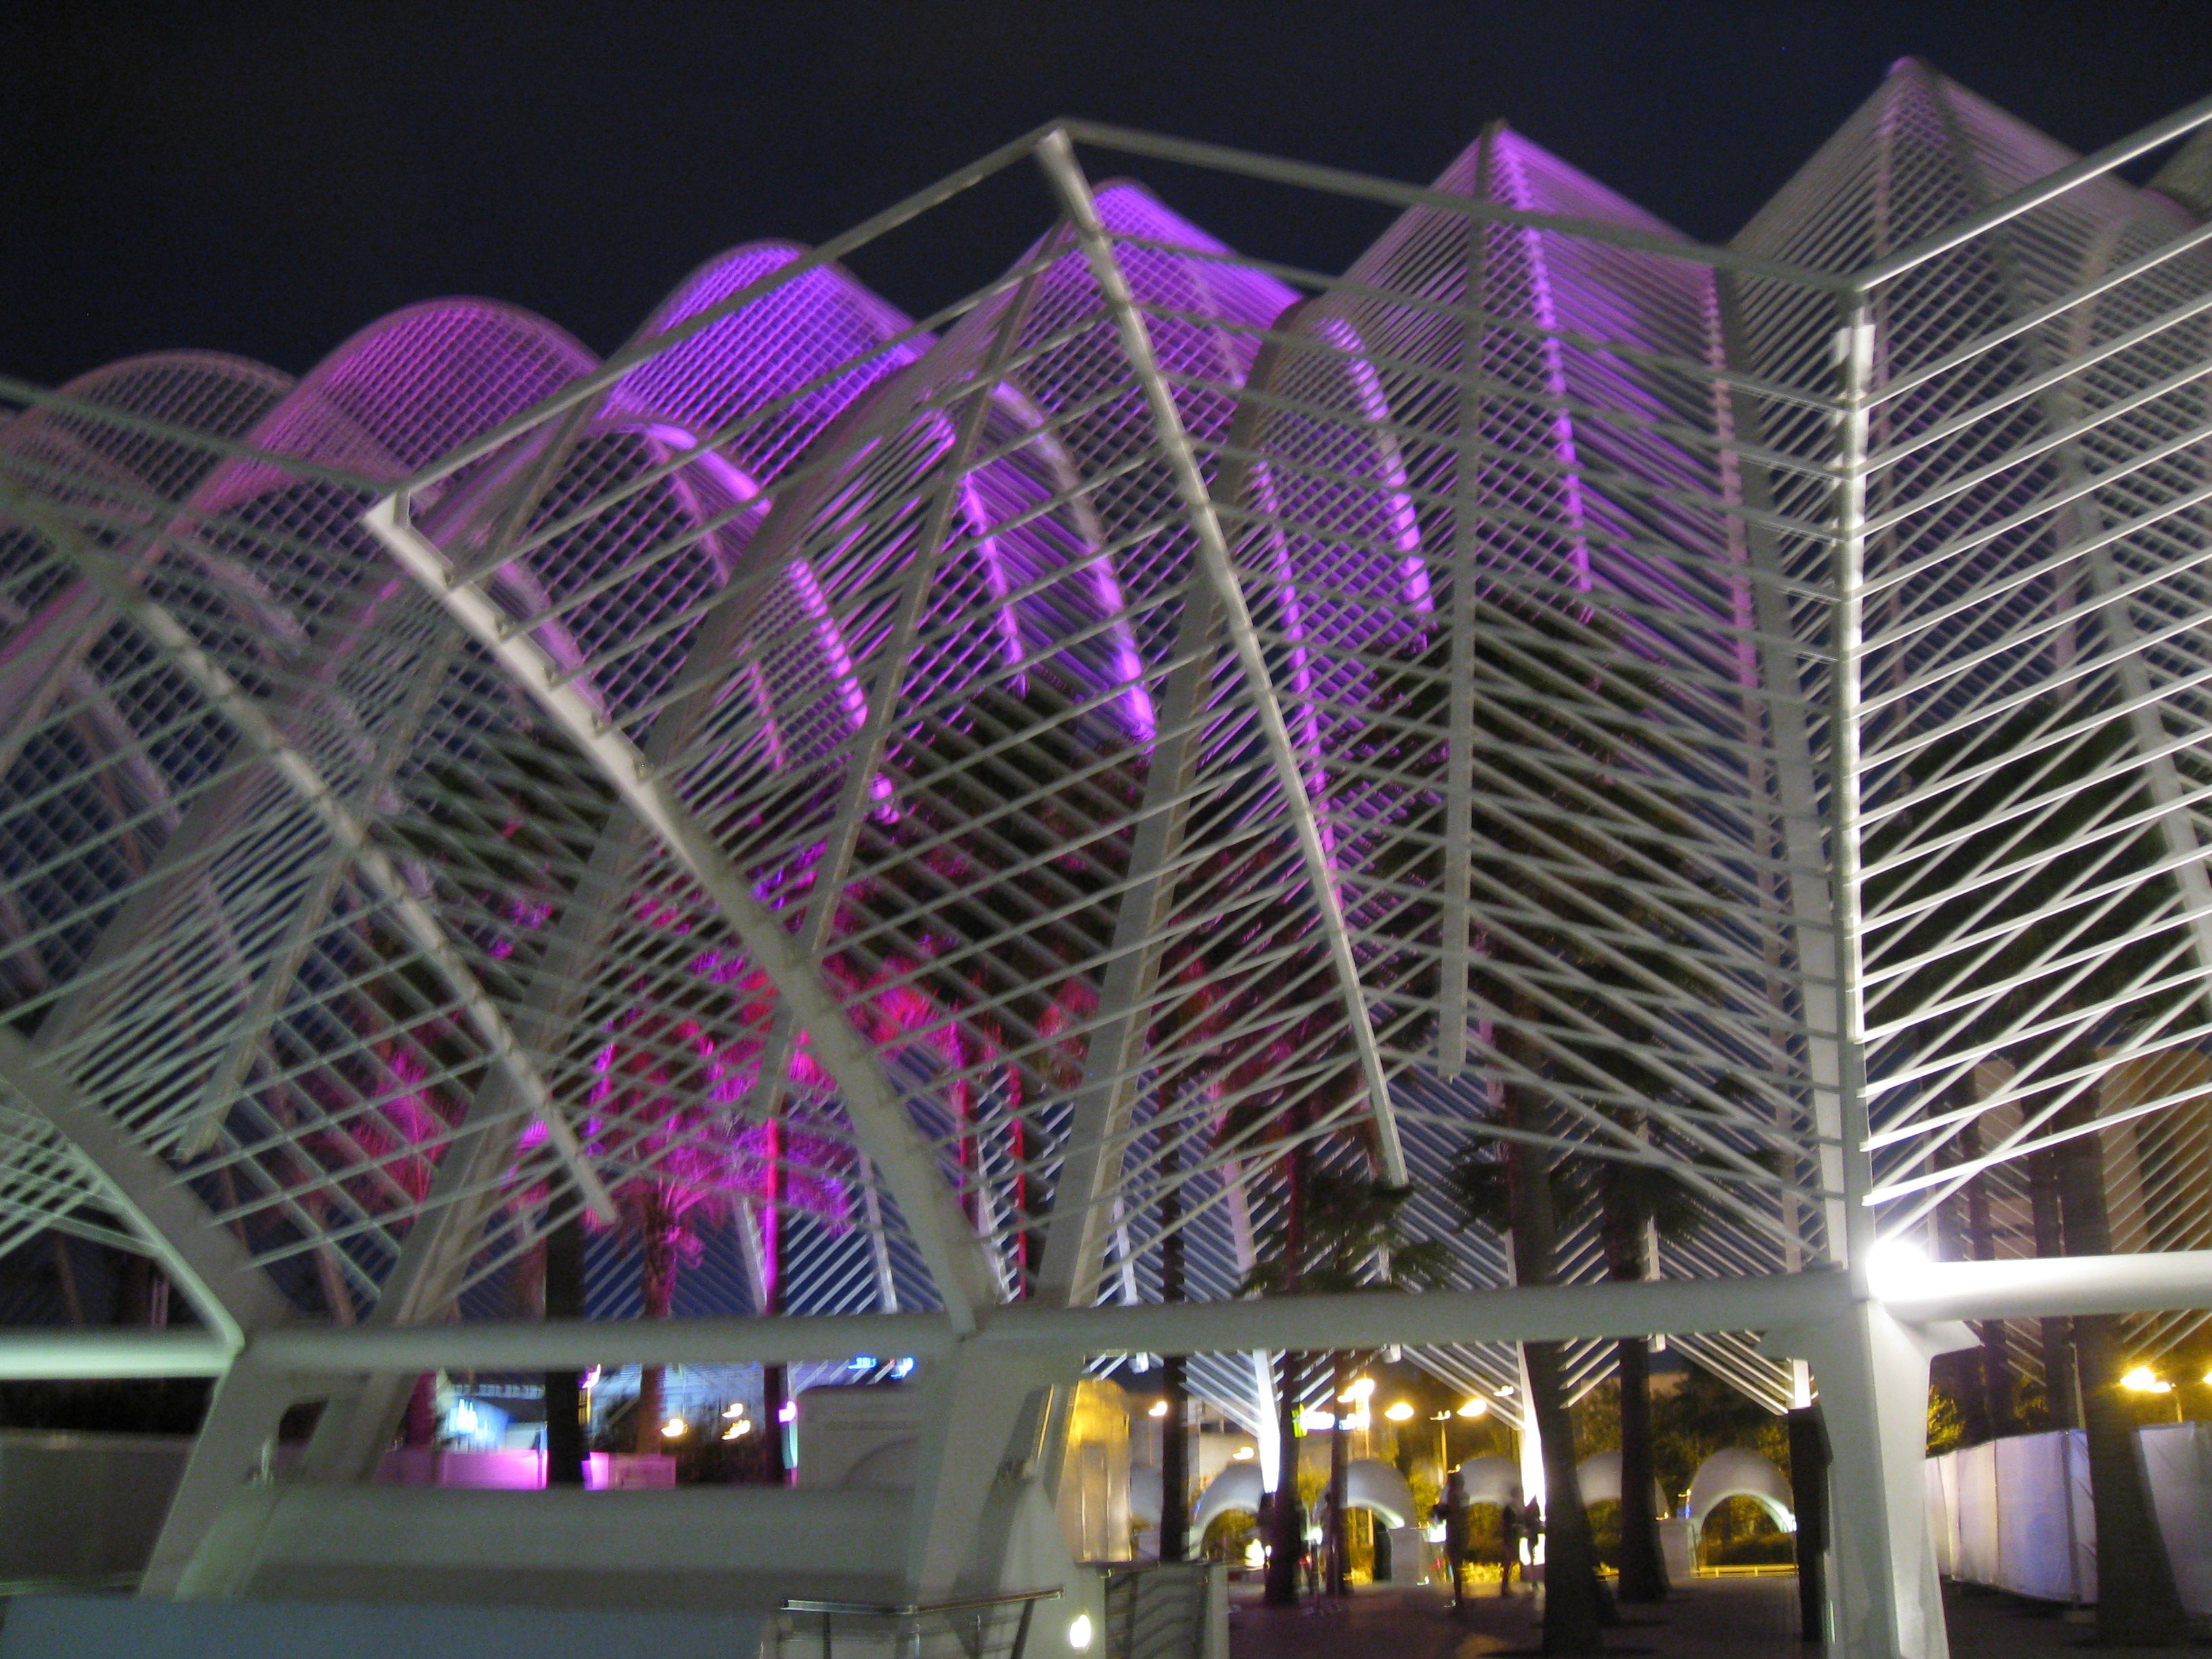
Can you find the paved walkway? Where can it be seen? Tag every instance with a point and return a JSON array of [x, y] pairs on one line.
[[1707, 1618]]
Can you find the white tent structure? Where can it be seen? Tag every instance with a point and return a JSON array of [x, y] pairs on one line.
[[961, 798]]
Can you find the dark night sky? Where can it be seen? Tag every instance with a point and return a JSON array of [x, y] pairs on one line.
[[264, 179]]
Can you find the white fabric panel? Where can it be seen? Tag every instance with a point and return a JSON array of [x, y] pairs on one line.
[[2016, 1514], [2178, 1456]]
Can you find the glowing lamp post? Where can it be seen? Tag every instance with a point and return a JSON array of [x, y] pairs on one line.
[[2143, 1380]]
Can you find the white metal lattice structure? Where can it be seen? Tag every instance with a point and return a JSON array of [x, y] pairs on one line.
[[962, 795]]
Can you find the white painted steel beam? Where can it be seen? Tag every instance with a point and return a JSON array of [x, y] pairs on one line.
[[345, 828], [953, 1254], [232, 1296], [1057, 157], [1928, 1294]]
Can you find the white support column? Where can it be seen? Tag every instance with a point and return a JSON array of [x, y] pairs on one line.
[[345, 828], [880, 1120], [464, 1195], [1812, 898], [782, 539], [1075, 1245], [1532, 1484], [236, 1441], [1872, 1371], [986, 1441], [1057, 157], [1268, 1414], [232, 1296]]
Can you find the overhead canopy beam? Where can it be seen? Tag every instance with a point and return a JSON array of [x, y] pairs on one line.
[[1057, 157], [232, 1296], [952, 1252], [1931, 1293]]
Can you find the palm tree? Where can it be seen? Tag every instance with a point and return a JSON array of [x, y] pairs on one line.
[[1344, 1235], [1571, 860], [2050, 788], [1636, 1202]]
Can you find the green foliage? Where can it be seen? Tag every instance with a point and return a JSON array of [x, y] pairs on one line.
[[1597, 1420], [1348, 1226], [1944, 1424], [1698, 1417]]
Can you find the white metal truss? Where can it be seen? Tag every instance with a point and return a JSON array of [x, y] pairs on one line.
[[1742, 712]]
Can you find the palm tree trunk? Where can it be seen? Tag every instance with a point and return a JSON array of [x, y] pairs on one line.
[[1174, 1450], [2138, 1604], [1964, 1374], [1574, 1610], [1339, 1476], [1287, 1532], [2049, 1240], [658, 1283], [1643, 1569], [565, 1450], [1982, 1246]]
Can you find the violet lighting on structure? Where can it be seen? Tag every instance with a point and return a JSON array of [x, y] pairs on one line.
[[888, 816]]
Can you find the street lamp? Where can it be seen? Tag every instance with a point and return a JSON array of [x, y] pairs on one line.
[[1478, 1408], [1400, 1413], [2143, 1380]]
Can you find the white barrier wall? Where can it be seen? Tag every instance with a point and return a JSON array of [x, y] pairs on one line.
[[122, 1627], [2015, 1514], [83, 1506]]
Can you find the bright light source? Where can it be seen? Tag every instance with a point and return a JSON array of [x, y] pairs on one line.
[[1359, 1391], [735, 1408], [673, 1428], [1400, 1413], [2143, 1380], [1316, 1421], [738, 1430], [1475, 1408], [1357, 1420], [1506, 1392], [1241, 1454], [1893, 1264], [1079, 1632], [787, 1411], [1159, 1409]]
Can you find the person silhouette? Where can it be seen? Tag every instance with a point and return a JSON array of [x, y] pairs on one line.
[[1452, 1512]]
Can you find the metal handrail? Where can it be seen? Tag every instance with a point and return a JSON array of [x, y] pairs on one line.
[[909, 1609]]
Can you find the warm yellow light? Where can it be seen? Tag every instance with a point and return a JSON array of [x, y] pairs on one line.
[[1159, 1409], [2143, 1380], [735, 1408], [1475, 1408], [738, 1430], [1359, 1391], [1079, 1632], [1241, 1454], [672, 1428], [1400, 1413]]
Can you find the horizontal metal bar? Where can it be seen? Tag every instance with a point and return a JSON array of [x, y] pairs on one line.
[[2025, 200], [912, 1609], [1340, 181]]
